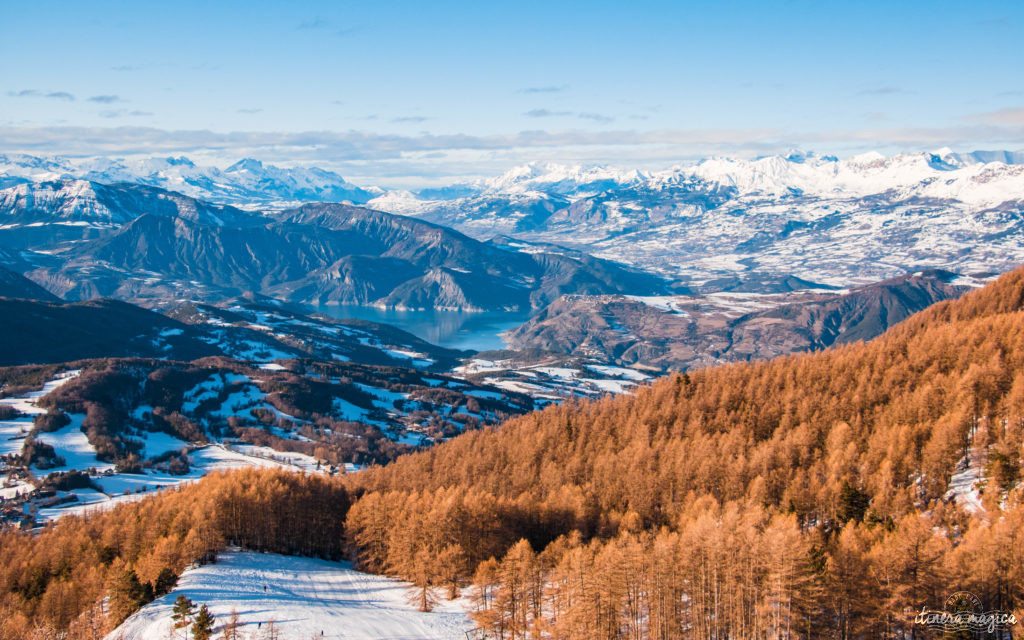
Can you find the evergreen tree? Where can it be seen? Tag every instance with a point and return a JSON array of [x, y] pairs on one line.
[[182, 612], [202, 628], [164, 582], [126, 594]]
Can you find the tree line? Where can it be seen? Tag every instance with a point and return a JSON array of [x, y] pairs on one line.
[[81, 577]]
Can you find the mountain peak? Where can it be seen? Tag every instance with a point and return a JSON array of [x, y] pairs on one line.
[[180, 161], [245, 164]]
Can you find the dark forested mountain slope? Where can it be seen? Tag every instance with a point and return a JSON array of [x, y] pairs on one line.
[[43, 332], [37, 332], [14, 285]]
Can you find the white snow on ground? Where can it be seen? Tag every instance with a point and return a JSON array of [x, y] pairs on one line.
[[962, 485], [488, 395], [71, 443], [411, 438], [662, 303], [512, 385], [417, 359], [209, 389], [618, 372], [304, 597], [558, 372], [479, 365], [142, 412], [272, 366], [610, 386], [240, 402], [345, 410], [27, 402], [14, 488], [385, 399], [130, 487], [287, 459], [157, 443], [12, 434]]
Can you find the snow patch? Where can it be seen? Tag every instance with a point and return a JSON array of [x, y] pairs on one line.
[[307, 597]]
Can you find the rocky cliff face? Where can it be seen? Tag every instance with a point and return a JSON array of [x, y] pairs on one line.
[[686, 332]]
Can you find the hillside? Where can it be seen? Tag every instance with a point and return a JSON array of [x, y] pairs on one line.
[[41, 332], [839, 461], [13, 285], [36, 332], [830, 494], [82, 240], [686, 332]]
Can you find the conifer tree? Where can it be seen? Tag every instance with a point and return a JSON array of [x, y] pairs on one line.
[[182, 613], [202, 627]]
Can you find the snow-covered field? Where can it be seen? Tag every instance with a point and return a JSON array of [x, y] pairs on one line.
[[13, 432], [71, 443], [304, 597], [129, 487], [27, 403]]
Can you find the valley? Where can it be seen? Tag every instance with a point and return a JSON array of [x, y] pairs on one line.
[[157, 344], [329, 337]]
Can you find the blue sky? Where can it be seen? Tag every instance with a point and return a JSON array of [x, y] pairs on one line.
[[419, 92]]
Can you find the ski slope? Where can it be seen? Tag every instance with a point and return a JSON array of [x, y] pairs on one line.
[[304, 597]]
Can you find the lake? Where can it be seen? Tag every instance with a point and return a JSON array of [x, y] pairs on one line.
[[452, 329]]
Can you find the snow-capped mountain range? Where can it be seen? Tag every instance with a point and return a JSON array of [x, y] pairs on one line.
[[827, 220], [979, 176], [247, 182], [842, 222]]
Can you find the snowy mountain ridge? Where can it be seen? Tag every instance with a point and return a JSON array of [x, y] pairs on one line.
[[842, 222], [247, 181], [976, 176]]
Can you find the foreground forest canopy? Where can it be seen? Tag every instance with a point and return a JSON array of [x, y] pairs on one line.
[[806, 497]]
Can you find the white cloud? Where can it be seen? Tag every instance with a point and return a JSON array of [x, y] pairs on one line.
[[397, 160]]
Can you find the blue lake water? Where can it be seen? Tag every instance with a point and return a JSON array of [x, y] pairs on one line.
[[453, 329]]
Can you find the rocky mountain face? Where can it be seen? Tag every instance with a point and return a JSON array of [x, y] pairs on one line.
[[687, 332], [140, 243], [841, 222]]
